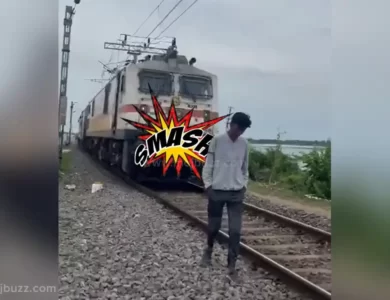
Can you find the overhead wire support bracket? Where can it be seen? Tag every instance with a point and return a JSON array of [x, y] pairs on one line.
[[127, 47], [163, 39]]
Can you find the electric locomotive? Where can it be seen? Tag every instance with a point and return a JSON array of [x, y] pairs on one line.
[[104, 133]]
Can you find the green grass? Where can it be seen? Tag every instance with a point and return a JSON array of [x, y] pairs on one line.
[[66, 163]]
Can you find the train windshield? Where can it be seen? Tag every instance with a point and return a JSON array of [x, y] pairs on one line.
[[161, 83], [198, 87]]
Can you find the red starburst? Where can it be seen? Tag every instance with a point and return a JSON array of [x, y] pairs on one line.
[[169, 119]]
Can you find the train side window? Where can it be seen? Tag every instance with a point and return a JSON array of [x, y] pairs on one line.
[[93, 108], [123, 84], [106, 98]]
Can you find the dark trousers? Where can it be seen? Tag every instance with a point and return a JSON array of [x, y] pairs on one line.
[[234, 202]]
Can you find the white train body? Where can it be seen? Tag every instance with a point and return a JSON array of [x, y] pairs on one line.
[[174, 79]]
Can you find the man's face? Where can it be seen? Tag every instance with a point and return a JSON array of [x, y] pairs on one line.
[[236, 131]]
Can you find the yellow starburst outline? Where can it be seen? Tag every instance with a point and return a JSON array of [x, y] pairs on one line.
[[174, 154]]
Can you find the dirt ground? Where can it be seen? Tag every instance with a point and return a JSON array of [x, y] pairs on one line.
[[289, 199]]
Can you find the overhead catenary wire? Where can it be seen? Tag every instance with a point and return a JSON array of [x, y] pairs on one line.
[[166, 16], [166, 28], [148, 17], [139, 27]]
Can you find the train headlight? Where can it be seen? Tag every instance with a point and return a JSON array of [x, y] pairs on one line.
[[144, 108], [176, 100], [206, 115], [179, 113]]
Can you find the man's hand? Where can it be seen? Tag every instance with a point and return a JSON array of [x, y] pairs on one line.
[[207, 190]]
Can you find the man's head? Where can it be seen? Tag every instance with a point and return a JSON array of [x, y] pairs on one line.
[[239, 123]]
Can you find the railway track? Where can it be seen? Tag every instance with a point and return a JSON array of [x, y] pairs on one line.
[[298, 253]]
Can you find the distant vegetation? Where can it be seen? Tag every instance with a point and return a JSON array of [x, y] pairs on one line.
[[289, 142], [273, 167]]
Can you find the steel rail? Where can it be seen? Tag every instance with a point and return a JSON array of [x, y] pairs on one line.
[[288, 221], [280, 218], [301, 283]]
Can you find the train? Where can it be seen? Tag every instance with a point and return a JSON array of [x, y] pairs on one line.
[[173, 78]]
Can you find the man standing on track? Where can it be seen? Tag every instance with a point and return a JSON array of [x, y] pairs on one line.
[[225, 177]]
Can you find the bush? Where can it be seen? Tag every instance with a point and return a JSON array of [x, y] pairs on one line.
[[258, 165], [318, 172], [273, 165], [262, 164], [295, 182]]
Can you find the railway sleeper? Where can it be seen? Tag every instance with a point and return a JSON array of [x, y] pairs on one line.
[[284, 246], [282, 237], [300, 257], [312, 271]]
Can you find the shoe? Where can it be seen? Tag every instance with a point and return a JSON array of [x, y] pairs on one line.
[[233, 274], [206, 258], [232, 269]]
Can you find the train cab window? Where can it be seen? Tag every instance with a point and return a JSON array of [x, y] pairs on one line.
[[106, 98], [123, 84], [198, 87], [93, 108], [160, 82]]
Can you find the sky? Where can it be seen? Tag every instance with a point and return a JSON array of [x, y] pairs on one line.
[[272, 58]]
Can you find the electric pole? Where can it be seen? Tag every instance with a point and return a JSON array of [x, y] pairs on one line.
[[228, 119], [70, 122], [69, 12]]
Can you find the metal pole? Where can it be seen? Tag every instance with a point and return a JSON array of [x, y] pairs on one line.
[[61, 140], [69, 12], [228, 119], [70, 122]]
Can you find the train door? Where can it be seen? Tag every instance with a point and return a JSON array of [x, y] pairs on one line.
[[81, 126], [86, 120], [117, 95]]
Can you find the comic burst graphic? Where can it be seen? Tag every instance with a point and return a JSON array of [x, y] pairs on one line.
[[172, 140]]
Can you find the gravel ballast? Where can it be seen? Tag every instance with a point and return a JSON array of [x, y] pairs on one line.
[[121, 244], [312, 219]]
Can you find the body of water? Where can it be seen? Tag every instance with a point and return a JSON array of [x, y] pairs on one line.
[[287, 149]]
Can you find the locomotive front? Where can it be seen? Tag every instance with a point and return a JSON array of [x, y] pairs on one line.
[[189, 88], [104, 127]]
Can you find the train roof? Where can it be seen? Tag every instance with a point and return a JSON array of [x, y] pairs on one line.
[[163, 66], [157, 63]]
